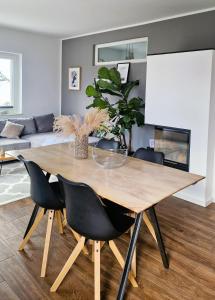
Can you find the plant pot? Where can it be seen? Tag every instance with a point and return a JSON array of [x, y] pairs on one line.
[[81, 147]]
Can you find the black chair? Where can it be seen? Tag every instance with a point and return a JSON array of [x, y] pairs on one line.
[[149, 155], [149, 217], [108, 144], [93, 221], [49, 198]]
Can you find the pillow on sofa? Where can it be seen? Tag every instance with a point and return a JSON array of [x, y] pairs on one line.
[[2, 125], [28, 123], [12, 130], [44, 123]]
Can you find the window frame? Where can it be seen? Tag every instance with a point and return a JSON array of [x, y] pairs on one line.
[[131, 41], [16, 90]]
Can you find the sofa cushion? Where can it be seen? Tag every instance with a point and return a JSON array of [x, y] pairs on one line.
[[2, 125], [51, 138], [12, 130], [29, 125], [47, 138], [14, 144], [44, 123]]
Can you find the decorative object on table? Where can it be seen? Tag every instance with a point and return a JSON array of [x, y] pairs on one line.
[[75, 78], [81, 147], [109, 158], [123, 112], [123, 69], [94, 119]]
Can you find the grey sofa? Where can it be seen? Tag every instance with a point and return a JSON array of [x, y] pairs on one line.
[[38, 131]]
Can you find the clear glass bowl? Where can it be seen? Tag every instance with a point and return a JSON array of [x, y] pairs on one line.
[[109, 158]]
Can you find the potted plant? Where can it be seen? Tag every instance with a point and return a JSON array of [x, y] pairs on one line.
[[109, 93]]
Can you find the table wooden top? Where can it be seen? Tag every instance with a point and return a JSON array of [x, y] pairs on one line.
[[137, 185]]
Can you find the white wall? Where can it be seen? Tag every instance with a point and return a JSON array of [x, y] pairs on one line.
[[180, 93], [41, 69]]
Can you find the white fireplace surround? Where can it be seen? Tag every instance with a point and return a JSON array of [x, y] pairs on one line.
[[180, 92]]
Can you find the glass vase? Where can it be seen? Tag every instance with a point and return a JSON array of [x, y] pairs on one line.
[[81, 147]]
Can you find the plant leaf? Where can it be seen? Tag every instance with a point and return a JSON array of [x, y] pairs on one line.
[[140, 119], [115, 76], [127, 87], [135, 103], [103, 84], [103, 73], [110, 92], [91, 91]]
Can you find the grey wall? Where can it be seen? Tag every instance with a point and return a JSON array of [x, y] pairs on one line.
[[40, 69], [181, 34]]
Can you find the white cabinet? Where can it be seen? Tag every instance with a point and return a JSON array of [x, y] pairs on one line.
[[180, 93]]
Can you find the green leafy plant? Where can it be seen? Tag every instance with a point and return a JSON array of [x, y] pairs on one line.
[[123, 111]]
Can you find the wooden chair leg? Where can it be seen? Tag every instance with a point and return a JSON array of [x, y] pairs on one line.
[[47, 242], [102, 244], [93, 250], [32, 229], [97, 248], [78, 237], [64, 217], [121, 261], [149, 225], [68, 264], [59, 221], [134, 259]]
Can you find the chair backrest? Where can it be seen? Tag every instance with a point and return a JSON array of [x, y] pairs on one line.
[[108, 144], [41, 191], [85, 212], [149, 155]]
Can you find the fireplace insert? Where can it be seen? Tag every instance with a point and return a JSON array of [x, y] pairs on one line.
[[175, 144]]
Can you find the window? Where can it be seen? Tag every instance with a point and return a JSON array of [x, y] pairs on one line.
[[133, 51], [10, 83]]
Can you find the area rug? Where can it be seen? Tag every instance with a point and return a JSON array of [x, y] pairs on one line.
[[14, 182]]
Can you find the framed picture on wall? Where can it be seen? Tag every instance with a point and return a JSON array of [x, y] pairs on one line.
[[123, 69], [74, 78]]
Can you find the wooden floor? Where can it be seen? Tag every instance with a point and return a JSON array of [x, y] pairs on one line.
[[189, 233]]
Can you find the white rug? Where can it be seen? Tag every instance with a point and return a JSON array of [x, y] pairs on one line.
[[14, 182]]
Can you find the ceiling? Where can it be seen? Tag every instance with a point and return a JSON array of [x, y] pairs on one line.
[[67, 18]]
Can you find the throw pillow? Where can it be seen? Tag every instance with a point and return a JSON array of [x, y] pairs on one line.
[[29, 125], [12, 130], [44, 123]]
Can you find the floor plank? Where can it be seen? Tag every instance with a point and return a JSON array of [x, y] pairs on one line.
[[189, 233], [6, 293]]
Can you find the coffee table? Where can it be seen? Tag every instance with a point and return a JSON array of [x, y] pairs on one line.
[[3, 158]]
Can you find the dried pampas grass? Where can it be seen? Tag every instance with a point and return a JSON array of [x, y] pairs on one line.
[[93, 119]]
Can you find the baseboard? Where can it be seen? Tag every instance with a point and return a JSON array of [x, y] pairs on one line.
[[200, 202]]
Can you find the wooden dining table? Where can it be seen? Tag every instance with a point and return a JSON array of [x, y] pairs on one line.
[[138, 185]]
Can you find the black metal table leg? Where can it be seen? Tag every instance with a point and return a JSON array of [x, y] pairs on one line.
[[1, 163], [32, 218], [161, 246], [129, 256]]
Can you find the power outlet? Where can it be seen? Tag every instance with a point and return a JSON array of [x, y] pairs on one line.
[[151, 143]]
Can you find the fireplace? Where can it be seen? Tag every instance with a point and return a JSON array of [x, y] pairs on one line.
[[175, 144]]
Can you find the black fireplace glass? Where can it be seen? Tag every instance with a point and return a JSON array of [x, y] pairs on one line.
[[174, 143]]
